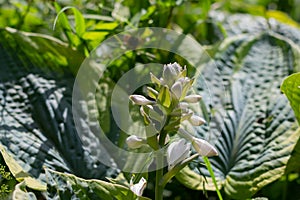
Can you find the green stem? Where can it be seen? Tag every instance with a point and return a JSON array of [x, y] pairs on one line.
[[159, 174], [163, 133], [211, 172]]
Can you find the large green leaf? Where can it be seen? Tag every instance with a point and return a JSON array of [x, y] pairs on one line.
[[19, 174], [37, 127], [237, 24], [43, 51], [250, 121], [68, 186], [291, 88]]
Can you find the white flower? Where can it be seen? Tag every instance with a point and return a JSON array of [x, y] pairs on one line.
[[139, 187], [177, 152], [134, 142], [187, 114], [177, 89], [184, 81], [196, 120], [203, 147], [141, 100], [194, 98], [183, 105], [170, 73], [176, 67], [185, 134]]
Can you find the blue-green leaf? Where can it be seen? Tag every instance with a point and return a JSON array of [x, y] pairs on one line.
[[250, 121], [68, 186]]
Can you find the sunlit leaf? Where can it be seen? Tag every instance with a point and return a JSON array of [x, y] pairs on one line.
[[73, 33], [291, 88], [19, 173], [282, 17]]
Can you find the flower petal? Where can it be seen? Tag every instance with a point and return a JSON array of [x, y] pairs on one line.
[[194, 98], [141, 100], [177, 89], [134, 142], [177, 152], [204, 148], [139, 187], [195, 120]]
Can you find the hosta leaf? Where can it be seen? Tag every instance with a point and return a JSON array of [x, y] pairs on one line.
[[282, 17], [19, 173], [68, 186], [238, 24], [37, 126], [291, 88], [250, 121]]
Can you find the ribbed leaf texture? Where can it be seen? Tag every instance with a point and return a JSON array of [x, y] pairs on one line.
[[36, 122], [249, 120], [68, 186]]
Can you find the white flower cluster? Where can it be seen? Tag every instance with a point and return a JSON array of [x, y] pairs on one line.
[[170, 98]]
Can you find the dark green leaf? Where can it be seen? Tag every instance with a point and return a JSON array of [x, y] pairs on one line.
[[68, 186], [35, 104]]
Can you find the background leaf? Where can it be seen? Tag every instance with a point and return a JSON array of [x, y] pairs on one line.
[[68, 186], [20, 174], [34, 94], [291, 88], [250, 122]]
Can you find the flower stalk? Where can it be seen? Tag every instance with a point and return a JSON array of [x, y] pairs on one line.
[[158, 176], [163, 111]]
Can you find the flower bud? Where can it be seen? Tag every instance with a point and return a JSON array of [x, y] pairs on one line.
[[186, 85], [139, 187], [184, 80], [183, 105], [141, 100], [177, 152], [203, 147], [187, 115], [194, 98], [176, 67], [177, 89], [196, 120], [185, 134], [134, 142], [171, 73]]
